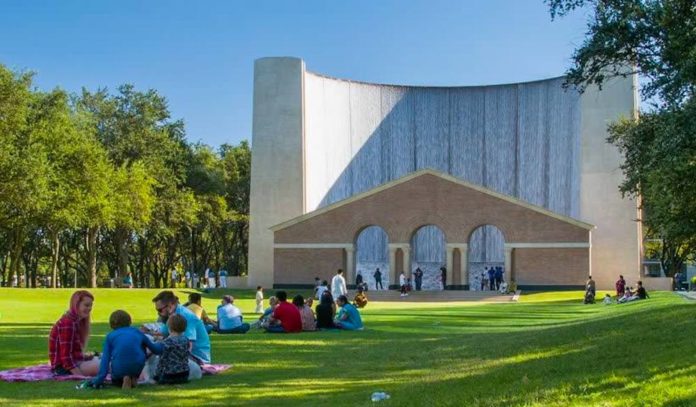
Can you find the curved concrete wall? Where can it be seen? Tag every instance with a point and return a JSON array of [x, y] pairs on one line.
[[317, 140]]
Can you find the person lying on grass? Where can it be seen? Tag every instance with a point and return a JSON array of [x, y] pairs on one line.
[[124, 352], [69, 337], [348, 317]]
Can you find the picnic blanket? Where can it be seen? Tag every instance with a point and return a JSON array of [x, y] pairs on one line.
[[43, 372]]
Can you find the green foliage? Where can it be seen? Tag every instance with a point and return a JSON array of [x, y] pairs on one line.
[[657, 39], [99, 184]]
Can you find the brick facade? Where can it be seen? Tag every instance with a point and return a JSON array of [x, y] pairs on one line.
[[430, 198]]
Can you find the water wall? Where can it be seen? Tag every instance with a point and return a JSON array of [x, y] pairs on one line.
[[522, 140]]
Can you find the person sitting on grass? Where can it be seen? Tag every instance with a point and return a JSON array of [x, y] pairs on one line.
[[326, 310], [607, 299], [265, 318], [123, 353], [287, 314], [68, 339], [306, 313], [360, 299], [230, 319], [194, 304], [348, 317], [173, 365], [167, 304], [321, 289], [628, 293]]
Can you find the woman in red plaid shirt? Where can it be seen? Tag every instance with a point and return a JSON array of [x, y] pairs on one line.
[[69, 336]]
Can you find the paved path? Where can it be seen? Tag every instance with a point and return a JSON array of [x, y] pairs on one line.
[[438, 296]]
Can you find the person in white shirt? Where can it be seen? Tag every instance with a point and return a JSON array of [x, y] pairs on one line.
[[188, 279], [402, 283], [259, 300], [230, 319], [321, 289], [338, 285], [210, 275]]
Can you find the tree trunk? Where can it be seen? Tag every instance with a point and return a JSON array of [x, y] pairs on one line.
[[91, 244], [16, 255], [55, 250], [121, 237]]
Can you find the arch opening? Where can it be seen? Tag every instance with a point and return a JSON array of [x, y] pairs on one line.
[[486, 252], [429, 253], [372, 253]]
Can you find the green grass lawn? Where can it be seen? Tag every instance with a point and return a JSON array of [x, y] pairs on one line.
[[549, 349]]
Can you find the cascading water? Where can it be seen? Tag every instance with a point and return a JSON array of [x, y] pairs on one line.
[[522, 140]]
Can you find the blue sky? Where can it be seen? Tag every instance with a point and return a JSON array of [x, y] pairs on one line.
[[200, 54]]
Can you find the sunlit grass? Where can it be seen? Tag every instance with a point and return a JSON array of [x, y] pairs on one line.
[[548, 349]]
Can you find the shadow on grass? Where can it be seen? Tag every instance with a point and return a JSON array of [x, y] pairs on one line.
[[621, 355]]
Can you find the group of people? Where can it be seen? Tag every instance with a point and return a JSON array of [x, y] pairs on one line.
[[282, 316], [209, 279], [174, 349], [624, 293], [170, 351]]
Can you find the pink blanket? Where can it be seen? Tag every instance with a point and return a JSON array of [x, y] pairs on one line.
[[43, 372]]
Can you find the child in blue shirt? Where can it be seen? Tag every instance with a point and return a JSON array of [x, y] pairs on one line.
[[124, 351]]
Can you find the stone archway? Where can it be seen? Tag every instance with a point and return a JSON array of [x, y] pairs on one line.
[[429, 252], [486, 250], [372, 252]]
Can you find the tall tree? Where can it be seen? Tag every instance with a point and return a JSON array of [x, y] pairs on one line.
[[657, 40]]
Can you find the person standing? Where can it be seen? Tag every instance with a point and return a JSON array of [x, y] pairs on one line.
[[418, 275], [491, 279], [223, 278], [259, 300], [402, 283], [443, 274], [187, 276], [338, 284], [195, 279], [498, 277], [378, 279], [175, 278], [210, 275], [620, 286]]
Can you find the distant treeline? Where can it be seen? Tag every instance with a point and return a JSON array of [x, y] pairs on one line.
[[98, 184]]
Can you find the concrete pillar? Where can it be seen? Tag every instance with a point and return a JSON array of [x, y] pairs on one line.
[[508, 262], [392, 263], [277, 169], [450, 255], [407, 262], [464, 263], [350, 265]]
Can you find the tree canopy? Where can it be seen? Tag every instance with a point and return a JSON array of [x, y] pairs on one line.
[[655, 39], [99, 184]]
